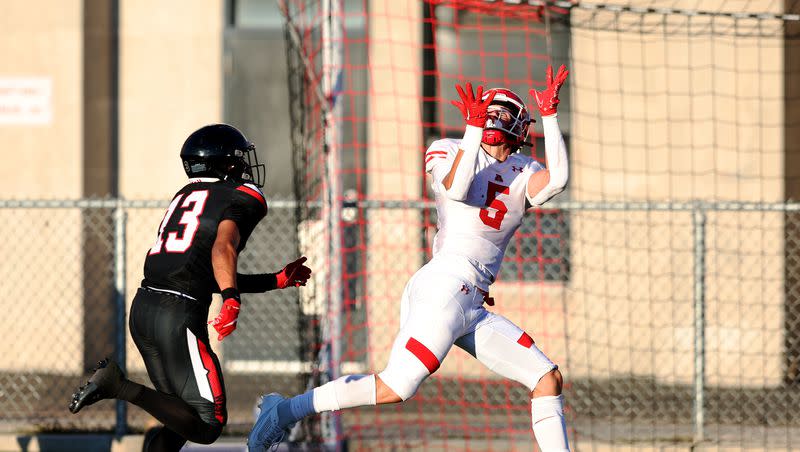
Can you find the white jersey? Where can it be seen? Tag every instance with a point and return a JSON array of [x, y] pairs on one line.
[[480, 227]]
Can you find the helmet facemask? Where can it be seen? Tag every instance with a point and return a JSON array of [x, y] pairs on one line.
[[507, 120], [251, 171]]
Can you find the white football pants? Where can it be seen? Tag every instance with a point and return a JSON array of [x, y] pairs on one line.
[[439, 310]]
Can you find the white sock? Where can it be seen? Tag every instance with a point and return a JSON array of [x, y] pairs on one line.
[[547, 418], [345, 392]]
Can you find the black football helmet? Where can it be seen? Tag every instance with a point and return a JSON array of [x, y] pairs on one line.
[[221, 150]]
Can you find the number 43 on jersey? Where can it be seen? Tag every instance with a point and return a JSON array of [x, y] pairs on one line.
[[192, 206]]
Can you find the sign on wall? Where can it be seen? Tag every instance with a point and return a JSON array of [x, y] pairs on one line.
[[26, 100]]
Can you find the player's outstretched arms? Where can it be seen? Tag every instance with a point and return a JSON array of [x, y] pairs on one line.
[[547, 183], [474, 109], [224, 255]]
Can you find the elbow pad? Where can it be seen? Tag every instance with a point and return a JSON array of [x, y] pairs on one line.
[[465, 172]]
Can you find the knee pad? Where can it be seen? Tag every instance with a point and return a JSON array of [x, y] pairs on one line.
[[404, 382]]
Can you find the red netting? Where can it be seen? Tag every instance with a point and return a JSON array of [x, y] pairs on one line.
[[374, 86]]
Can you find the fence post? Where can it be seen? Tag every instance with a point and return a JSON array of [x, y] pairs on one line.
[[699, 226], [331, 78], [120, 218]]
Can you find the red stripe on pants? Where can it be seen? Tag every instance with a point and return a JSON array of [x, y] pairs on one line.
[[423, 354], [525, 340], [213, 381]]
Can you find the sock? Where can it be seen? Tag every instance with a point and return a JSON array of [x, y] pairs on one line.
[[296, 408], [547, 418], [345, 392]]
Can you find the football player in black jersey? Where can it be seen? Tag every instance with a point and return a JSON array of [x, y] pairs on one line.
[[205, 227]]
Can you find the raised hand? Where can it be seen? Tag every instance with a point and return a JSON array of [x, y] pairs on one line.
[[473, 107], [547, 100]]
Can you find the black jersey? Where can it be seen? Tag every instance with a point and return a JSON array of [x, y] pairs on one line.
[[180, 260]]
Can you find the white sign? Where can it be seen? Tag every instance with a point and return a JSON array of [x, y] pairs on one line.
[[27, 100]]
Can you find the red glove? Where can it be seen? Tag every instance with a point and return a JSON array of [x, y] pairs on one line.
[[547, 100], [225, 321], [294, 274], [473, 108]]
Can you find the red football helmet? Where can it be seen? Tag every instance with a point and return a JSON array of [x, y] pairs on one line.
[[508, 119]]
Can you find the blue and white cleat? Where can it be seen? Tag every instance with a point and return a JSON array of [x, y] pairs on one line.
[[267, 433]]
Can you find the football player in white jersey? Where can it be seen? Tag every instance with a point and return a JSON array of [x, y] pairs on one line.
[[483, 186]]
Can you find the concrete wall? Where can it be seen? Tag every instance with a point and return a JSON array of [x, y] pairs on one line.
[[658, 114], [675, 114], [42, 39], [171, 84], [394, 163], [655, 116]]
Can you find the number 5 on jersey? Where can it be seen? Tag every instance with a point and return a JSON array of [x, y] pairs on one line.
[[493, 221], [174, 242]]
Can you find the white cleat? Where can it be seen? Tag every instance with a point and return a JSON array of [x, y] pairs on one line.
[[267, 433]]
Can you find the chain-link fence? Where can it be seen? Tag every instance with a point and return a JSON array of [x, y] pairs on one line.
[[72, 270], [672, 322]]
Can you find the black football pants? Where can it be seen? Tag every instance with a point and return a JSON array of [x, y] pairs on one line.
[[170, 333]]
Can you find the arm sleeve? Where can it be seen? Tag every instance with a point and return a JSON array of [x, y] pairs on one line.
[[470, 146], [246, 209], [555, 151], [256, 283]]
